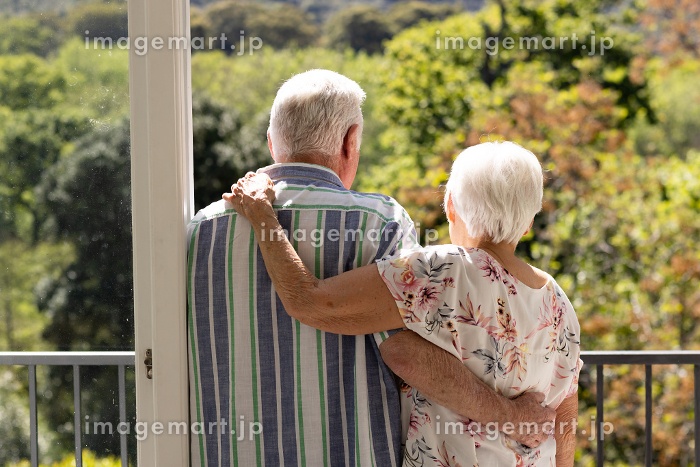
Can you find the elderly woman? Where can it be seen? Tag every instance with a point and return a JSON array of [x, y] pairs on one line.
[[509, 322]]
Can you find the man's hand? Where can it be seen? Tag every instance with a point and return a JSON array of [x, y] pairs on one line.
[[533, 424]]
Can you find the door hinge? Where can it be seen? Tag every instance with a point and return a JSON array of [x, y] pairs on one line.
[[148, 361]]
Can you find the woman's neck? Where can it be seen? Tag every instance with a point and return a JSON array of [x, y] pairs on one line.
[[503, 252]]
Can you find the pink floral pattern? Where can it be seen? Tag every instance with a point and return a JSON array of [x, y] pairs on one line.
[[514, 338]]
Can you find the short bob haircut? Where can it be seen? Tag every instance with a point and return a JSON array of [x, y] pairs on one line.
[[312, 113], [496, 189]]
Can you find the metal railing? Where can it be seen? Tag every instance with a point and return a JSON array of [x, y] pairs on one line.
[[648, 359], [75, 359], [599, 359]]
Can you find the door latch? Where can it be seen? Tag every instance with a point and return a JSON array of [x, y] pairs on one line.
[[148, 361]]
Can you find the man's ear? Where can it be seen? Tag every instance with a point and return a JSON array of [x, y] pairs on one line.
[[269, 146], [351, 141], [450, 208]]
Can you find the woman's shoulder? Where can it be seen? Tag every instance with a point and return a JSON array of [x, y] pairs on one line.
[[434, 254]]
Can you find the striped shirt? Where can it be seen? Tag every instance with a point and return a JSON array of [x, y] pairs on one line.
[[264, 388]]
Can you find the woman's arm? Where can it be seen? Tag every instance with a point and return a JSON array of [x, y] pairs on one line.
[[355, 302], [565, 430]]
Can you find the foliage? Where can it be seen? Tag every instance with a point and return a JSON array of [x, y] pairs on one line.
[[25, 269], [99, 20], [32, 137], [277, 25], [231, 19], [89, 199], [224, 148], [199, 23], [25, 6], [672, 27], [89, 459], [361, 28], [283, 25], [91, 302], [27, 82], [98, 81], [675, 100], [27, 35], [403, 15]]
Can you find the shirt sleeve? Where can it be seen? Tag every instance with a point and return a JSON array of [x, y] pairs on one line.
[[408, 240], [402, 234], [423, 283]]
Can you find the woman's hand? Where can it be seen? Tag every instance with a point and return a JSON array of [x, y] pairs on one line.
[[252, 198]]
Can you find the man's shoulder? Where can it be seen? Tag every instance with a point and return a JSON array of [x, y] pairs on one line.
[[208, 213], [291, 196], [377, 198]]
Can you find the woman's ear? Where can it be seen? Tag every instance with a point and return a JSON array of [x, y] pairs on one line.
[[449, 208], [529, 228]]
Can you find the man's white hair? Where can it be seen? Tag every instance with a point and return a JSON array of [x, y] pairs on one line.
[[496, 189], [311, 114]]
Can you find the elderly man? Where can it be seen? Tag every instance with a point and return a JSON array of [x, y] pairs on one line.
[[268, 390]]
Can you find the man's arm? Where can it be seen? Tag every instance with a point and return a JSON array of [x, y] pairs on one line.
[[445, 380], [565, 433]]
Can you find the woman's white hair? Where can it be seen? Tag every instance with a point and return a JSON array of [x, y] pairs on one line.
[[496, 189], [311, 114]]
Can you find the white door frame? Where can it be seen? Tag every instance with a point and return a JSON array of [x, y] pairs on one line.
[[162, 201]]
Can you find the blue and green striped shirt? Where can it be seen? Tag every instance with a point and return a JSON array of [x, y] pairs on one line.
[[264, 388]]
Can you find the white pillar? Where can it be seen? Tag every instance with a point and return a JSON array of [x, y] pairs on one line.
[[162, 201]]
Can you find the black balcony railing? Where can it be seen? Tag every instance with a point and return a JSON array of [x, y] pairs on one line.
[[599, 359], [648, 359]]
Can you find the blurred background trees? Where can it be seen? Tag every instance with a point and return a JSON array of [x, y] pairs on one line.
[[616, 132]]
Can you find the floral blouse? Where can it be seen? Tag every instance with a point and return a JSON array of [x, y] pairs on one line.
[[515, 338]]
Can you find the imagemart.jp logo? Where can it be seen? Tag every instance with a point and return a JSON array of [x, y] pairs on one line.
[[142, 45], [241, 431], [493, 44]]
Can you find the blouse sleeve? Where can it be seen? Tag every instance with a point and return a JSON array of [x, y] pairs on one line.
[[565, 382], [423, 283]]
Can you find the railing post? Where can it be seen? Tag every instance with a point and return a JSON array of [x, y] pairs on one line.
[[649, 452], [76, 417], [599, 414], [696, 384], [33, 430], [122, 413]]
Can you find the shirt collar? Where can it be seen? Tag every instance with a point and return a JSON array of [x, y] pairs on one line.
[[284, 170]]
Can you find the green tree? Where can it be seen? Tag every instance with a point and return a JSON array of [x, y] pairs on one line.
[[27, 35], [98, 82], [437, 75], [24, 269], [199, 24], [404, 15], [224, 148], [674, 98], [88, 196], [33, 136], [232, 20], [90, 304], [27, 81], [99, 20], [283, 25], [360, 28]]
